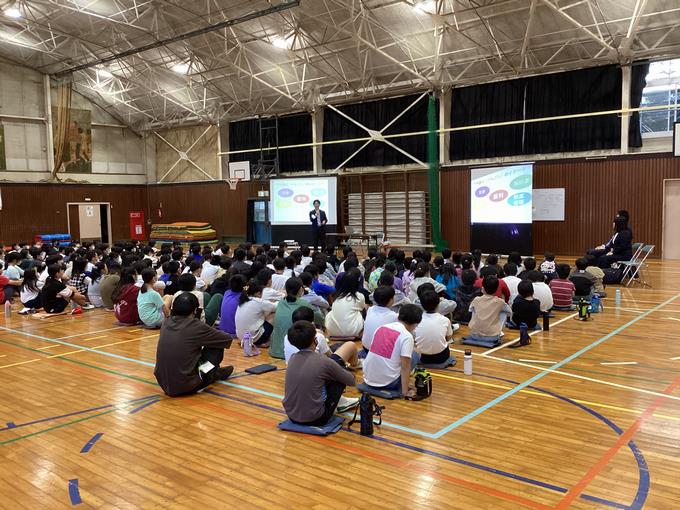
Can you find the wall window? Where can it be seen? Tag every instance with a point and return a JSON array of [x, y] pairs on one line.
[[663, 89]]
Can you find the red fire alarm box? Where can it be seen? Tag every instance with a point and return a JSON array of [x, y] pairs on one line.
[[137, 225]]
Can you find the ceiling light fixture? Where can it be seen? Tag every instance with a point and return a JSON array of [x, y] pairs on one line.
[[426, 6], [181, 67], [104, 74], [12, 12], [280, 42]]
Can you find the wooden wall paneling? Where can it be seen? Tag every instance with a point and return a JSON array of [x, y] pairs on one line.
[[455, 207], [73, 220]]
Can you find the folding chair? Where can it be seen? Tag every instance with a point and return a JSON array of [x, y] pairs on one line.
[[637, 248], [638, 265]]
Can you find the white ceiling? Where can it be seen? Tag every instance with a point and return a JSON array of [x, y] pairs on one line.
[[333, 50]]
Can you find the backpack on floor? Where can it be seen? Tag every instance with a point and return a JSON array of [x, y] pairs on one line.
[[612, 275]]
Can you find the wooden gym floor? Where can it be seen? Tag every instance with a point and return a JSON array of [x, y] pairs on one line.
[[588, 416]]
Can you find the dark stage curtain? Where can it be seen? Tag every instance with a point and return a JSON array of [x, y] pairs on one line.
[[483, 104], [587, 90], [376, 115], [638, 82], [292, 129]]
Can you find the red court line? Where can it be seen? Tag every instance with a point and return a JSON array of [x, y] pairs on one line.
[[384, 459], [623, 439]]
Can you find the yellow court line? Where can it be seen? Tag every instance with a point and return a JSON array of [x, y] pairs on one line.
[[59, 345], [541, 394], [74, 352]]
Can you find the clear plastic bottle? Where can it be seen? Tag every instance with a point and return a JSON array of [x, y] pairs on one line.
[[8, 309], [618, 297], [467, 362]]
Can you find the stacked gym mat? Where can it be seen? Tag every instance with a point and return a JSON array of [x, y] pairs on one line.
[[183, 232]]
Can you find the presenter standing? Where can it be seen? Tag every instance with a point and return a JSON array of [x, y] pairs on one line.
[[318, 219]]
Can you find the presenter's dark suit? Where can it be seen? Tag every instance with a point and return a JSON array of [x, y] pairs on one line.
[[318, 222], [621, 246]]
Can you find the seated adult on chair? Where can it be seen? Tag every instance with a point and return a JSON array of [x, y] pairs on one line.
[[314, 382], [619, 247], [392, 357], [189, 351]]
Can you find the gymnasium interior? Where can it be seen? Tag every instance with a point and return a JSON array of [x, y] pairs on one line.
[[395, 133]]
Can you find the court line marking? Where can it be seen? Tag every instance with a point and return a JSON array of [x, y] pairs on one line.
[[581, 485], [83, 340], [145, 404], [540, 394], [90, 333], [540, 375], [618, 363], [88, 446], [74, 492], [675, 359], [576, 376], [107, 370], [511, 342], [672, 318]]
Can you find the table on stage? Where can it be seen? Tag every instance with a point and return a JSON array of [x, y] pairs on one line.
[[339, 236]]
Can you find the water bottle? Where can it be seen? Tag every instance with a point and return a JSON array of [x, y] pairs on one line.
[[524, 337], [467, 362], [247, 344], [595, 305], [618, 297], [8, 309], [546, 321]]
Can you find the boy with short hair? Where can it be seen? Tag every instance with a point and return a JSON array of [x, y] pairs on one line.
[[529, 269], [391, 357], [541, 290], [314, 382], [488, 314], [434, 332], [279, 279], [526, 309], [562, 289], [548, 265], [582, 280], [465, 294], [511, 280], [378, 315]]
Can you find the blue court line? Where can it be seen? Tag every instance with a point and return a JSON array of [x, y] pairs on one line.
[[456, 460], [540, 375], [74, 492], [279, 397], [75, 413], [88, 446], [145, 404]]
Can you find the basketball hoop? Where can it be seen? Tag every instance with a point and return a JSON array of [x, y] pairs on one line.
[[232, 182]]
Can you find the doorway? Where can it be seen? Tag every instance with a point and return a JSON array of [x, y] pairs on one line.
[[671, 213], [259, 226], [89, 221]]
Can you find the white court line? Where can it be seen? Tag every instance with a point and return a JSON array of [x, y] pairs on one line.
[[537, 361], [90, 333], [672, 318], [619, 363], [511, 342], [576, 376], [675, 359]]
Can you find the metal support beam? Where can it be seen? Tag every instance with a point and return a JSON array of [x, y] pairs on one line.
[[317, 136], [577, 24], [445, 99], [625, 105], [49, 136], [287, 4]]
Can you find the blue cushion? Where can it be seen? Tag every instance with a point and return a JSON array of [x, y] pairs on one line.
[[379, 392], [448, 363], [482, 343], [333, 425]]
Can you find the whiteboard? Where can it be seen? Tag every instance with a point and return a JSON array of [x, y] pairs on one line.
[[548, 204]]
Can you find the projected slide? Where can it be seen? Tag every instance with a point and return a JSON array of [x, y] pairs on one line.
[[292, 199], [501, 194]]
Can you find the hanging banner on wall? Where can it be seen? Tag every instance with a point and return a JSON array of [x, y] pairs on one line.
[[137, 225], [77, 153]]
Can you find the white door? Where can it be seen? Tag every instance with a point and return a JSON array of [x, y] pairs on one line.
[[90, 221], [671, 227]]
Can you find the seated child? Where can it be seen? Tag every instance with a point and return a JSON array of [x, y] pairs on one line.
[[541, 291], [254, 315], [152, 308], [347, 350], [345, 318], [264, 278], [434, 331], [379, 314], [55, 295], [14, 273], [79, 278], [279, 277], [378, 268], [392, 357], [562, 289], [229, 305], [503, 291], [314, 382], [583, 281], [108, 283], [320, 288], [465, 293], [30, 294], [548, 266], [511, 280], [124, 297], [525, 308], [449, 278], [388, 279], [488, 313], [318, 302], [598, 274], [93, 289], [529, 268]]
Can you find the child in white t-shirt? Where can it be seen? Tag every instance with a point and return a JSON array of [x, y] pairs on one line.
[[378, 315], [254, 315], [392, 357], [346, 351], [434, 331]]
